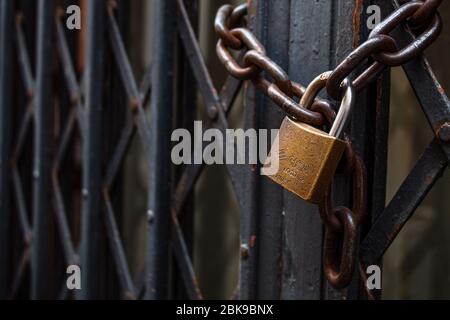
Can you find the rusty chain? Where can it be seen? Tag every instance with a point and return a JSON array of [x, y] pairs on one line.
[[383, 49], [341, 223]]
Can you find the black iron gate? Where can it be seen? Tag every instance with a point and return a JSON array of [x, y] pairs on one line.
[[70, 108]]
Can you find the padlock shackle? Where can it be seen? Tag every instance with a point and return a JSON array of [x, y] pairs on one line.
[[346, 104], [313, 89]]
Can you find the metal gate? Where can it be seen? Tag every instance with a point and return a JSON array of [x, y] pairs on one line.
[[70, 107]]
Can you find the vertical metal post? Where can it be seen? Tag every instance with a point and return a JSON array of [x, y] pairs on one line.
[[369, 124], [160, 168], [247, 186], [372, 139], [185, 113], [42, 154], [247, 189], [310, 44], [6, 80], [270, 210], [91, 226], [347, 34]]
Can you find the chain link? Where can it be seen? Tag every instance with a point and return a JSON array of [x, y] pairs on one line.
[[341, 223], [424, 13], [423, 41], [345, 222], [348, 65], [283, 91], [384, 50]]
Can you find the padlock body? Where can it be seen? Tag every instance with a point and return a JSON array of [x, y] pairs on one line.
[[307, 159]]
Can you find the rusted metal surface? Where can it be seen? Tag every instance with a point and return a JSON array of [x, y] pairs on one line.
[[425, 12], [353, 60], [343, 222]]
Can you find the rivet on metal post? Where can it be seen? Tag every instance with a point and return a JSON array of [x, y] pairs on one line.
[[213, 112], [150, 216], [444, 132], [245, 253]]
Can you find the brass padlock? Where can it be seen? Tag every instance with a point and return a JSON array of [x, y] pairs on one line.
[[307, 157]]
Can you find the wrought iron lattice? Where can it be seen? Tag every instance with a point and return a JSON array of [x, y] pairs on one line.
[[218, 106], [76, 125], [42, 126]]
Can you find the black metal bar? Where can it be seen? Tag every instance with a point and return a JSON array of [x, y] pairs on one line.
[[63, 225], [302, 252], [40, 253], [347, 33], [121, 57], [376, 144], [117, 250], [58, 199], [187, 34], [70, 77], [29, 83], [6, 80], [21, 207], [274, 28], [245, 188], [69, 70], [20, 271], [160, 169], [416, 186], [24, 60], [91, 211], [24, 126], [184, 261], [369, 125]]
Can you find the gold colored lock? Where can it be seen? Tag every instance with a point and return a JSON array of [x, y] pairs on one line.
[[307, 157]]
